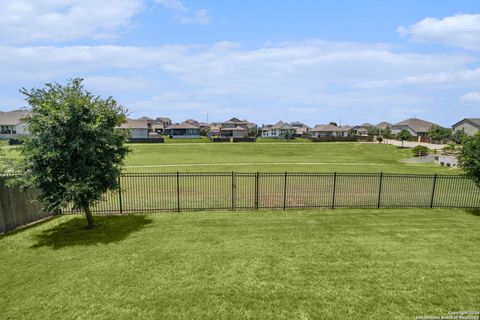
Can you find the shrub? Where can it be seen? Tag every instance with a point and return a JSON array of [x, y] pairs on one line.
[[420, 151]]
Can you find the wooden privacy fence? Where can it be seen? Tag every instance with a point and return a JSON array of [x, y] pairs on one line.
[[18, 207]]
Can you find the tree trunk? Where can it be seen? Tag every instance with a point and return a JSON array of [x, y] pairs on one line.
[[89, 216]]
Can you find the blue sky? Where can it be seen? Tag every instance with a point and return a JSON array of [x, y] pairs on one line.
[[312, 61]]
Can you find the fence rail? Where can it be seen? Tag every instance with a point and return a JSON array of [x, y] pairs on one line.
[[158, 192]]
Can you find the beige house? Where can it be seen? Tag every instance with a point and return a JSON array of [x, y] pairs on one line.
[[12, 124], [329, 130], [417, 127], [183, 130], [280, 130], [139, 129], [236, 132], [470, 126]]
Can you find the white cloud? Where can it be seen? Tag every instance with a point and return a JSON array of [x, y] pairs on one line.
[[184, 14], [201, 16], [173, 5], [471, 97], [462, 30], [328, 76], [116, 83], [62, 20], [464, 77]]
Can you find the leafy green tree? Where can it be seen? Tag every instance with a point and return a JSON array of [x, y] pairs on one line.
[[404, 135], [419, 151], [386, 133], [379, 139], [373, 131], [75, 151], [469, 157], [458, 136], [204, 132], [437, 133], [333, 124]]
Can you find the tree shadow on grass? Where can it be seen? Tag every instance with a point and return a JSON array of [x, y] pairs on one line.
[[73, 232], [474, 212]]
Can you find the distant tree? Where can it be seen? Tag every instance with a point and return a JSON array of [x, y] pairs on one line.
[[386, 133], [469, 157], [450, 148], [404, 135], [333, 124], [74, 152], [204, 132], [419, 151], [437, 133], [379, 139], [252, 132], [373, 131], [458, 136]]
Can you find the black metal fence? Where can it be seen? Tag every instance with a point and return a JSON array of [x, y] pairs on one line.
[[157, 192]]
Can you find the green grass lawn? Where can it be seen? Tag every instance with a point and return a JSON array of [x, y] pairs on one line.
[[275, 157], [342, 264]]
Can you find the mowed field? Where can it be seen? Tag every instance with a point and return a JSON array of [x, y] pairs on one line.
[[268, 156], [275, 157], [341, 264]]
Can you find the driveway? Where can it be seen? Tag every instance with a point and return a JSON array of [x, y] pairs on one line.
[[410, 144]]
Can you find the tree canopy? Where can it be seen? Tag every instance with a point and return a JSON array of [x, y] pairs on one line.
[[438, 133], [75, 151], [469, 157]]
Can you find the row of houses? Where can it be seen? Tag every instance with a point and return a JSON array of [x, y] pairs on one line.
[[12, 125]]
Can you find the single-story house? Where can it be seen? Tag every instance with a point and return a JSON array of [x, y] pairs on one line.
[[12, 124], [470, 126], [301, 129], [329, 130], [280, 130], [417, 127], [183, 130], [237, 132], [138, 129], [361, 130]]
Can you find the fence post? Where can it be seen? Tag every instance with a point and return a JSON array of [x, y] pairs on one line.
[[233, 190], [433, 190], [178, 191], [380, 190], [285, 193], [334, 189], [120, 195], [256, 191]]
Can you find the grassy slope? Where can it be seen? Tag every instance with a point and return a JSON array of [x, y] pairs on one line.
[[276, 157], [355, 264]]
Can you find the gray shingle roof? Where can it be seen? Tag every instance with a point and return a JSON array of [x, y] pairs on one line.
[[383, 125], [12, 118], [183, 125], [474, 121], [135, 124], [418, 125], [330, 128]]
